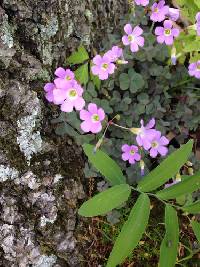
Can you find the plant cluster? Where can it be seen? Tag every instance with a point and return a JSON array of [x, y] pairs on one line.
[[133, 65]]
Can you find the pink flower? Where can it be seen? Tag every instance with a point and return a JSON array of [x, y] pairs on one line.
[[198, 23], [173, 14], [194, 69], [114, 54], [130, 153], [102, 67], [73, 97], [167, 33], [133, 37], [64, 74], [49, 87], [142, 2], [145, 134], [158, 145], [92, 118], [159, 11]]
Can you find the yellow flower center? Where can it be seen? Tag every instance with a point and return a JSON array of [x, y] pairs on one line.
[[132, 152], [198, 67], [72, 93], [95, 118], [156, 10], [104, 66], [130, 38], [167, 32], [68, 78], [154, 144]]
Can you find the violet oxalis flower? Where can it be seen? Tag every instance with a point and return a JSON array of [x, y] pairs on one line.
[[133, 37], [198, 23], [73, 98], [173, 14], [158, 145], [114, 54], [64, 74], [49, 87], [145, 134], [159, 11], [130, 153], [102, 67], [92, 118], [167, 33], [142, 2], [194, 69]]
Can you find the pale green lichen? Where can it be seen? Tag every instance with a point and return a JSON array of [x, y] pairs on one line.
[[6, 33], [49, 30], [29, 140]]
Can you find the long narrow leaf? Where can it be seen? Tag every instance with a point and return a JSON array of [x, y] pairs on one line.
[[105, 165], [167, 169], [169, 245], [105, 201], [131, 232], [192, 208], [196, 229], [187, 186]]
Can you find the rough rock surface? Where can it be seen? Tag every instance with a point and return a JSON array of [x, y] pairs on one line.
[[41, 177]]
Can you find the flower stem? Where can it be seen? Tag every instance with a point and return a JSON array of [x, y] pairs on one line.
[[119, 126]]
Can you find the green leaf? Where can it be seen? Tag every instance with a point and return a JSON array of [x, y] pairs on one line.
[[136, 81], [78, 56], [197, 3], [193, 45], [167, 169], [131, 232], [187, 186], [105, 201], [105, 165], [81, 74], [124, 81], [169, 245], [96, 80], [192, 208], [196, 229]]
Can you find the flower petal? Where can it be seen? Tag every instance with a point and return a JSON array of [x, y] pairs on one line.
[[125, 40], [139, 40], [125, 148], [86, 126], [159, 30], [85, 115], [96, 127], [67, 106], [97, 60], [150, 124], [167, 24], [60, 72], [137, 31], [153, 152], [79, 103], [101, 114], [49, 86], [162, 150], [163, 141], [134, 47], [92, 108], [125, 156], [128, 29]]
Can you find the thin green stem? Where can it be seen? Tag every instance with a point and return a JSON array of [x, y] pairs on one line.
[[181, 83], [189, 256], [152, 26], [119, 126]]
